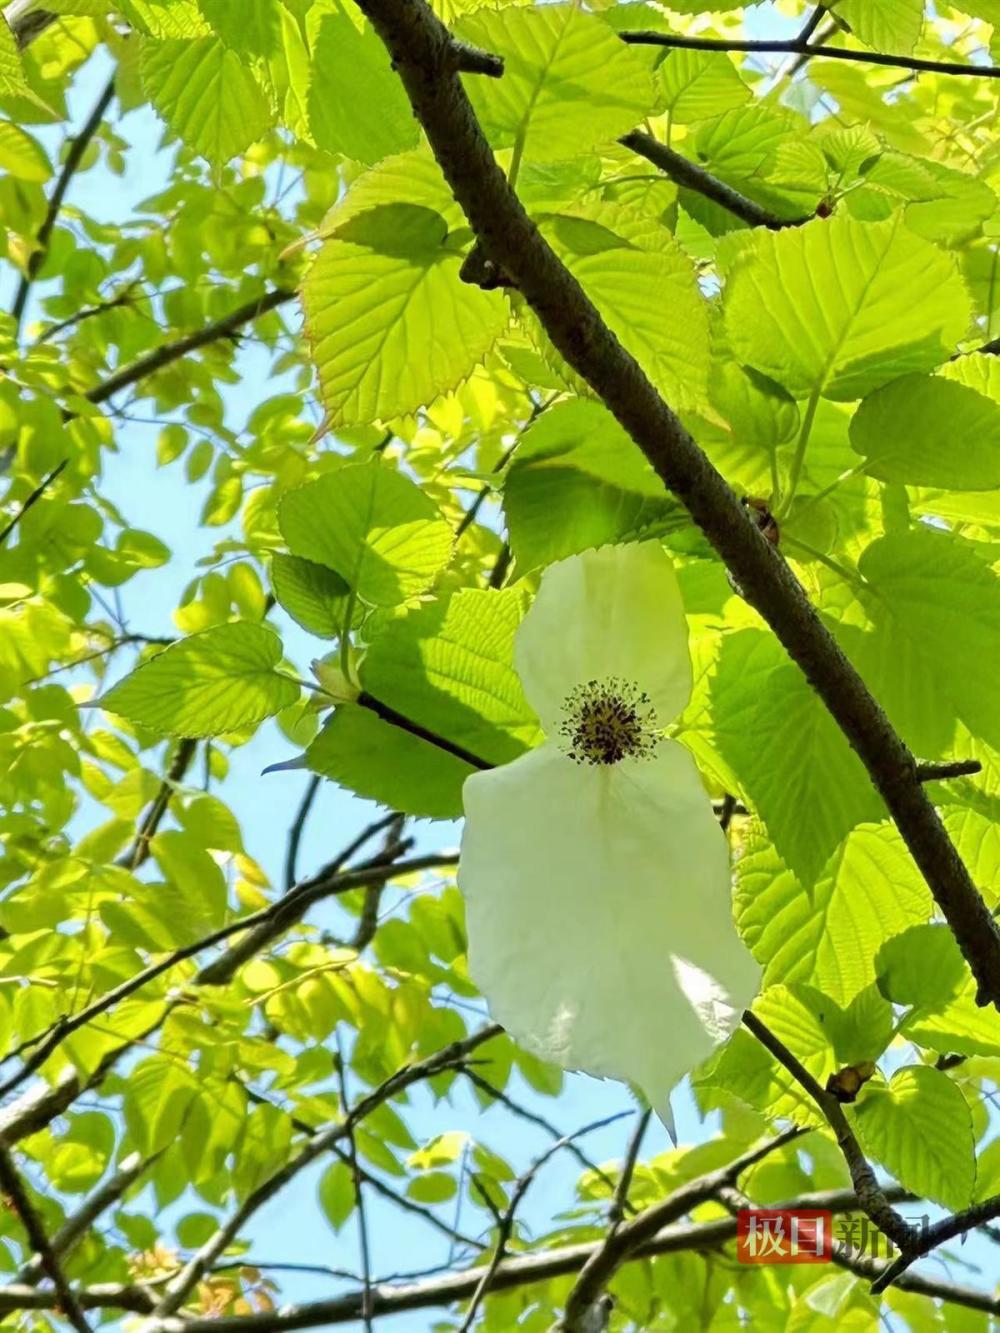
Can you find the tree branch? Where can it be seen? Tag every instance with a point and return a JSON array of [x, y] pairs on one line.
[[32, 499], [263, 926], [505, 1225], [295, 832], [796, 47], [79, 1223], [180, 1287], [871, 1196], [524, 1271], [414, 38], [947, 1229], [74, 157], [532, 1118], [692, 177], [173, 351], [13, 1189], [618, 1245], [181, 762]]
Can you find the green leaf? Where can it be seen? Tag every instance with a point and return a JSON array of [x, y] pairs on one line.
[[886, 25], [935, 596], [220, 680], [384, 763], [841, 307], [21, 155], [448, 667], [357, 104], [197, 878], [787, 752], [922, 966], [337, 1194], [744, 1069], [434, 1187], [576, 481], [869, 890], [13, 80], [211, 823], [372, 526], [313, 595], [166, 18], [569, 82], [250, 28], [206, 95], [919, 1127], [924, 430], [390, 321], [697, 85], [960, 1026], [619, 255], [159, 1092]]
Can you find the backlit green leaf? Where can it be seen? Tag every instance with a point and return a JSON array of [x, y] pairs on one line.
[[841, 307], [928, 431], [391, 323], [312, 594], [213, 682], [206, 95], [372, 526], [568, 82], [919, 1127]]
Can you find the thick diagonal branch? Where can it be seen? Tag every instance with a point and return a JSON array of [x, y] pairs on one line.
[[871, 1196], [417, 43]]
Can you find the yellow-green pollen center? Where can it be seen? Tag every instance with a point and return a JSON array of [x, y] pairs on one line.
[[607, 721]]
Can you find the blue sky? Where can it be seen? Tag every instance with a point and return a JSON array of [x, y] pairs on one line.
[[293, 1228]]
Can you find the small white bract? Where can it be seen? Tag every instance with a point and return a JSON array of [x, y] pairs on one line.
[[595, 874]]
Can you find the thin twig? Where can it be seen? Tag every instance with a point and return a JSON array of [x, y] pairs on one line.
[[138, 853], [79, 1223], [533, 1118], [688, 174], [14, 1190], [958, 768], [264, 926], [74, 157], [623, 1243], [180, 1287], [379, 1186], [397, 719], [470, 515], [619, 1203], [794, 47], [32, 499], [295, 832], [949, 1227], [359, 1198], [505, 1222], [190, 342], [271, 920]]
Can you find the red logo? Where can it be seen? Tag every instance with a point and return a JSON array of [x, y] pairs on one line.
[[783, 1236]]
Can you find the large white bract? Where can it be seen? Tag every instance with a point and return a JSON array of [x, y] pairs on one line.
[[595, 874]]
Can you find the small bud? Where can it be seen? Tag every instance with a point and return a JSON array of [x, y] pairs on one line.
[[335, 685]]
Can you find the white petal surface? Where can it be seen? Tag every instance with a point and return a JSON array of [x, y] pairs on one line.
[[614, 611], [599, 914]]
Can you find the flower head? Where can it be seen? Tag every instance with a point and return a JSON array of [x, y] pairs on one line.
[[595, 875]]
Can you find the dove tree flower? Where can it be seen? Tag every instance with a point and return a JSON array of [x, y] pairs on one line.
[[595, 874]]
